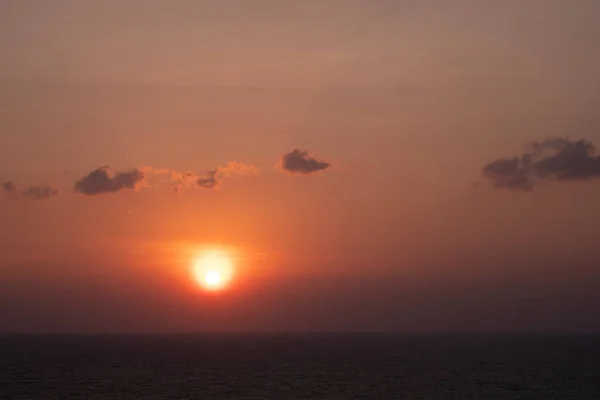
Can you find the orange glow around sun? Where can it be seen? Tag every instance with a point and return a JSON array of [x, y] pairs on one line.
[[213, 269]]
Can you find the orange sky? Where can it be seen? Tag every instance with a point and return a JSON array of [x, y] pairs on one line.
[[405, 102]]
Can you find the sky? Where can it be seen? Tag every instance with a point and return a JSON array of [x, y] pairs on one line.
[[369, 165]]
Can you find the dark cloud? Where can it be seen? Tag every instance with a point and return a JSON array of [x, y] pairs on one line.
[[209, 181], [39, 192], [508, 173], [34, 192], [554, 159], [572, 161], [299, 162], [102, 180], [9, 187]]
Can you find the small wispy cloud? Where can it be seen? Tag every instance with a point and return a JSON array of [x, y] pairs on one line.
[[33, 192], [9, 187], [165, 177], [233, 169], [555, 159], [39, 192], [300, 162]]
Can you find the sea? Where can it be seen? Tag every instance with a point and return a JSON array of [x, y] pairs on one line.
[[301, 366]]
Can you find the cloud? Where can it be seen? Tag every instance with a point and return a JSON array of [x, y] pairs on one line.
[[9, 187], [237, 169], [34, 192], [181, 180], [212, 179], [209, 181], [508, 173], [299, 162], [39, 192], [160, 177], [555, 159], [572, 161], [102, 180]]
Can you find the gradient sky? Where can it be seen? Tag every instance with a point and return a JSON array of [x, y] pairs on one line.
[[406, 101]]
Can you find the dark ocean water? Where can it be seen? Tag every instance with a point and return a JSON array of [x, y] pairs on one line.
[[300, 367]]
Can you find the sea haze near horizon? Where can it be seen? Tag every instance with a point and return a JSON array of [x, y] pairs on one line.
[[301, 366]]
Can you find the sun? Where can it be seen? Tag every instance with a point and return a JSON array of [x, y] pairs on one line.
[[212, 278], [213, 269]]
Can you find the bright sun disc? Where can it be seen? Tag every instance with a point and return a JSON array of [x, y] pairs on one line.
[[212, 278], [213, 270]]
